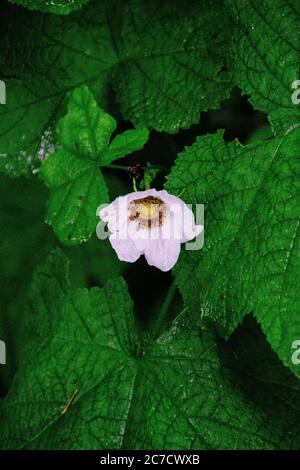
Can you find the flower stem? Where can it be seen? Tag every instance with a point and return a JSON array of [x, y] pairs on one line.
[[134, 185], [162, 316]]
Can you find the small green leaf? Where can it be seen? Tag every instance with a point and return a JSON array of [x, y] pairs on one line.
[[181, 391], [72, 172], [86, 129], [123, 144], [77, 189], [149, 175], [250, 260]]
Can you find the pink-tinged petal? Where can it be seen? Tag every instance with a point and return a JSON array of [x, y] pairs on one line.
[[160, 243], [107, 212], [115, 214], [162, 254], [184, 217], [119, 222], [198, 229], [125, 249]]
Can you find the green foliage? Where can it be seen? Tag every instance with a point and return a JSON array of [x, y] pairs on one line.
[[60, 7], [220, 374], [250, 260], [73, 173], [182, 390], [265, 54], [24, 241], [123, 144], [164, 63], [93, 263]]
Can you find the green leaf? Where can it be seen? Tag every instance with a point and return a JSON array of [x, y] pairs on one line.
[[60, 7], [123, 144], [86, 129], [265, 56], [72, 172], [164, 61], [149, 177], [175, 65], [250, 260], [180, 391], [77, 189]]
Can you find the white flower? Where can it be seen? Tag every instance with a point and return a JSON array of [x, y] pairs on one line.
[[150, 223]]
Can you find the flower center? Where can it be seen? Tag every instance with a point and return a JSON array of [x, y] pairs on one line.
[[148, 211]]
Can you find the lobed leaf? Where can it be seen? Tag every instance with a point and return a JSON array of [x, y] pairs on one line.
[[265, 53], [180, 391], [72, 172], [164, 61], [250, 260]]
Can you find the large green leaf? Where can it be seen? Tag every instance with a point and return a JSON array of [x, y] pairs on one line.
[[180, 391], [164, 61], [265, 56], [72, 172], [60, 7], [250, 260]]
